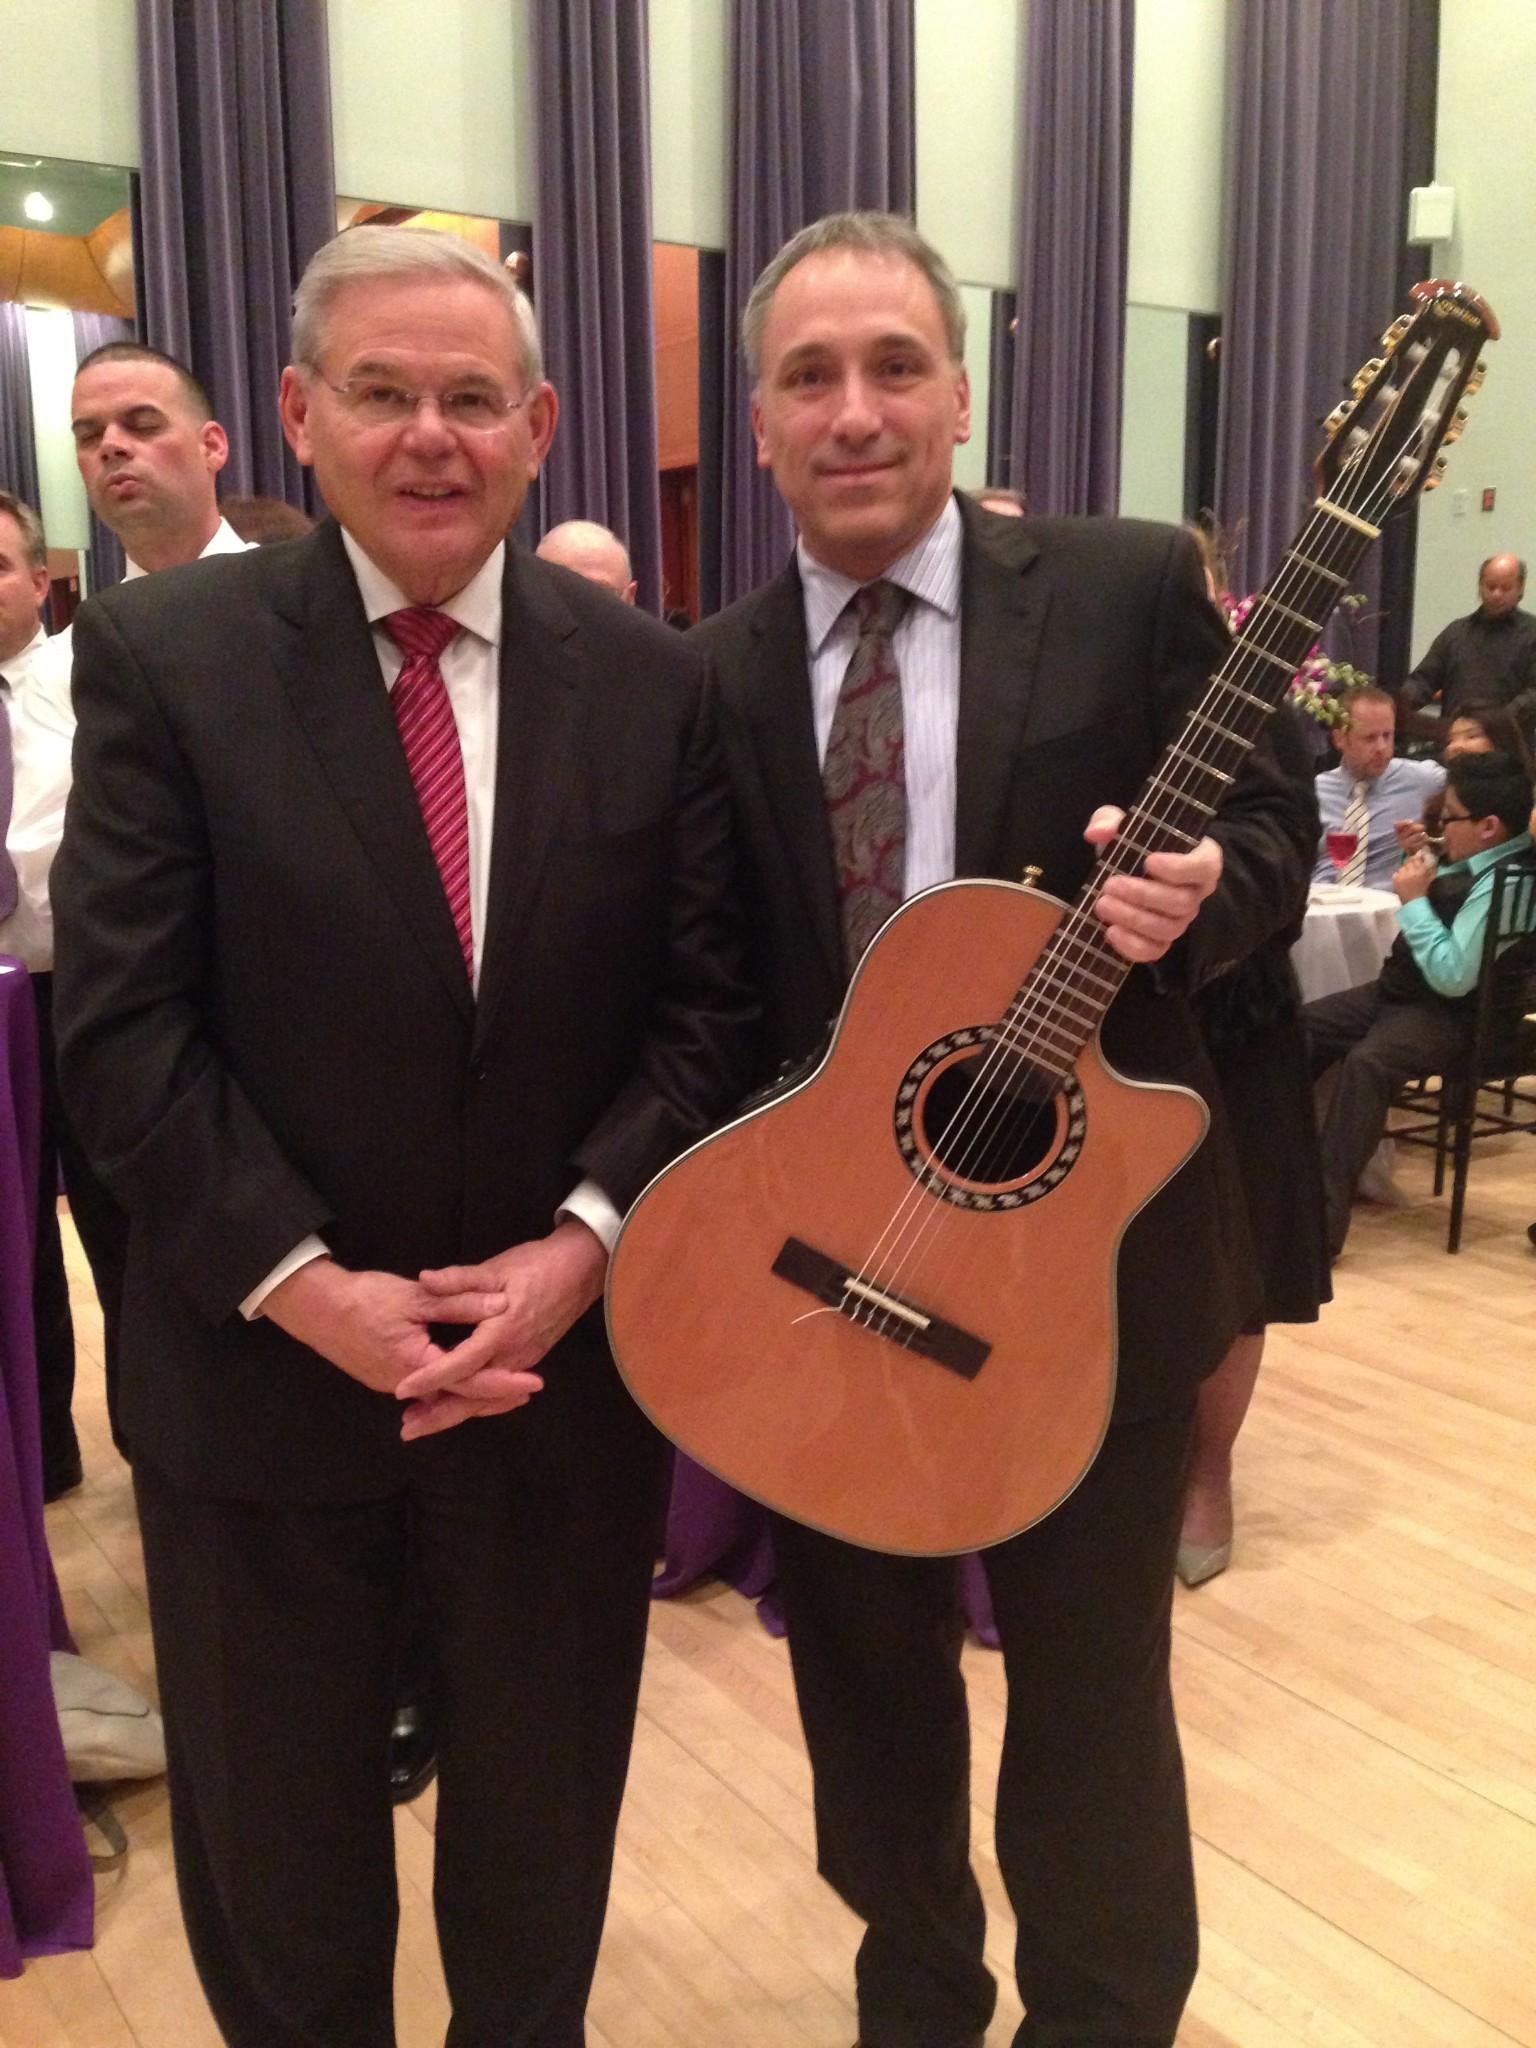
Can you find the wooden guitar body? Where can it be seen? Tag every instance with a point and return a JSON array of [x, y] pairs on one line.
[[845, 1309]]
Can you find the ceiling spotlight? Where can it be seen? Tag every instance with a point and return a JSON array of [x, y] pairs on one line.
[[37, 206]]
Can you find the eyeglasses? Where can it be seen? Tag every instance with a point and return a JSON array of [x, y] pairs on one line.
[[470, 409], [1457, 818]]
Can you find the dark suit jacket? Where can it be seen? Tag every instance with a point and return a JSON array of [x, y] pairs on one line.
[[1082, 643], [266, 1028]]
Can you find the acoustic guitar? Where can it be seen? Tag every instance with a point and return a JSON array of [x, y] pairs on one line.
[[883, 1301]]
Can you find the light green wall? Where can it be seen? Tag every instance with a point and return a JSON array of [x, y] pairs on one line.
[[1173, 263], [51, 373], [971, 456], [690, 156], [1487, 70], [1153, 428], [968, 91], [1176, 154], [67, 81], [433, 106]]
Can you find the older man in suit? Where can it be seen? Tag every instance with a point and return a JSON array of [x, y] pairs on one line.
[[931, 690], [396, 932]]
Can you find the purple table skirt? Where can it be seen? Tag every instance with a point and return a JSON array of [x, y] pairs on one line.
[[45, 1873], [713, 1532]]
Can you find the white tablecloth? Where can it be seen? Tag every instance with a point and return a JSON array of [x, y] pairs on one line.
[[1343, 944]]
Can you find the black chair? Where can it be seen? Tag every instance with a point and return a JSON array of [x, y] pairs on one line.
[[1492, 1090]]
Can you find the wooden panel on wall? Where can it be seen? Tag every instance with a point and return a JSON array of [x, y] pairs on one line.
[[676, 285]]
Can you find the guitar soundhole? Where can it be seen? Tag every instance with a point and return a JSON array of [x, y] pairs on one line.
[[982, 1135]]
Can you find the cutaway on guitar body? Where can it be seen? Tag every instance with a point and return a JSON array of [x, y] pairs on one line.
[[884, 1303]]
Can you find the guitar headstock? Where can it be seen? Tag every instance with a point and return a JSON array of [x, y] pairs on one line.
[[1386, 442]]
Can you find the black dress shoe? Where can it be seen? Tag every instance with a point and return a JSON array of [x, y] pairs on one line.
[[412, 1754]]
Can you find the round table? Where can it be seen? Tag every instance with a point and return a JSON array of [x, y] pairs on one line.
[[1347, 935]]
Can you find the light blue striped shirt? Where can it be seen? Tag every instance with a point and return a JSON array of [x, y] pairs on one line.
[[927, 648]]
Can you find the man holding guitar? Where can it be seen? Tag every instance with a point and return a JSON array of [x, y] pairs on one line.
[[930, 691]]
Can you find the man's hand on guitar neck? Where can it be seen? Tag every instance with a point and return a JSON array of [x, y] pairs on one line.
[[1144, 914]]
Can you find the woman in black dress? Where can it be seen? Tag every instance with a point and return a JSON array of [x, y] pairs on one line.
[[1251, 1020]]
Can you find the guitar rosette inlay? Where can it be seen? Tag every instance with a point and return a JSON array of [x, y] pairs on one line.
[[984, 1129]]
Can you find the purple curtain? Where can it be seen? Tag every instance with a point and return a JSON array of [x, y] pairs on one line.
[[236, 192], [1074, 224], [104, 561], [821, 94], [18, 451], [592, 257], [1316, 110]]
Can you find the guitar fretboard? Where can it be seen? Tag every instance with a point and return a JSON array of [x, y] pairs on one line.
[[1077, 977]]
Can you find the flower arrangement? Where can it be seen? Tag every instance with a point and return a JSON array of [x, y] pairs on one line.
[[1320, 685]]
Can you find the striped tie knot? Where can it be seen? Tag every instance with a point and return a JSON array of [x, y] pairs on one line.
[[421, 632]]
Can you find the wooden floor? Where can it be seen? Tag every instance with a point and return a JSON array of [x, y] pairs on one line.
[[1358, 1698]]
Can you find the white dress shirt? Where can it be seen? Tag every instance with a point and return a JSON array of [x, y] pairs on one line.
[[471, 668], [1400, 791], [926, 645], [42, 739], [225, 541], [28, 931]]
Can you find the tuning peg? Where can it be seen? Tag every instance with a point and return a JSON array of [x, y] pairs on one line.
[[1338, 416], [1475, 381], [1367, 374], [1397, 330]]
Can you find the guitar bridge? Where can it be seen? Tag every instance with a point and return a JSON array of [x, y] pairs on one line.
[[877, 1309]]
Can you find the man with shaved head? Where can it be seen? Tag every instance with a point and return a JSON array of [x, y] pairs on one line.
[[1489, 656], [591, 551]]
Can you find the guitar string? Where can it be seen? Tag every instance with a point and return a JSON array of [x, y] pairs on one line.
[[973, 1124], [1081, 933], [1010, 1042], [1089, 935], [1028, 1023]]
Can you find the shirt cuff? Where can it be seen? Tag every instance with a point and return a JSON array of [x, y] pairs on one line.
[[1418, 914], [311, 1248], [589, 1205]]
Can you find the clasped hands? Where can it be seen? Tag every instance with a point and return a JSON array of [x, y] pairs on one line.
[[1143, 915], [375, 1326]]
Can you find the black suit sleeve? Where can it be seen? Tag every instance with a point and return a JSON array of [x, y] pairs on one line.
[[695, 1060], [177, 1141], [1428, 680]]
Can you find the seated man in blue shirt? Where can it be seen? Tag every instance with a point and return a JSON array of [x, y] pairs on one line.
[[1370, 791], [1417, 1017]]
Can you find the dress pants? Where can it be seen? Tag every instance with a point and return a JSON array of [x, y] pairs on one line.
[[1092, 1825], [103, 1230], [275, 1634], [1377, 1046]]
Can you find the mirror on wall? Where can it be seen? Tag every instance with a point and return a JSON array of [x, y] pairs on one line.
[[66, 286]]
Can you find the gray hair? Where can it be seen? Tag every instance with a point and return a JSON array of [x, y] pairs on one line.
[[873, 234], [374, 255], [33, 540]]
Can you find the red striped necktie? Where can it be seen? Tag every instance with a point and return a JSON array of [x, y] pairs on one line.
[[431, 741]]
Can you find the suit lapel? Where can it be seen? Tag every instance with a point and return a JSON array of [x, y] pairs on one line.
[[1002, 615], [775, 698], [538, 749], [326, 657]]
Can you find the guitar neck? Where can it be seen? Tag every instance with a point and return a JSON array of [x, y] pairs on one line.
[[1079, 974]]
